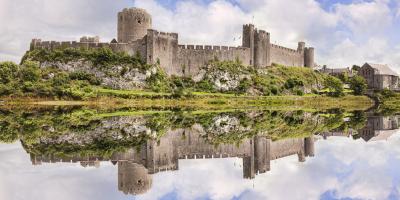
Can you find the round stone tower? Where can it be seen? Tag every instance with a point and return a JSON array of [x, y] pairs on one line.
[[309, 57], [133, 24], [133, 178]]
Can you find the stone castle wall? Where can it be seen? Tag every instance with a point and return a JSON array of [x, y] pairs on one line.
[[285, 56], [132, 48], [192, 57]]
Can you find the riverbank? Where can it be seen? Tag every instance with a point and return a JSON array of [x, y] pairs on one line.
[[209, 102]]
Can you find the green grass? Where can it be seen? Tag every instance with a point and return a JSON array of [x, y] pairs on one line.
[[128, 93], [132, 113]]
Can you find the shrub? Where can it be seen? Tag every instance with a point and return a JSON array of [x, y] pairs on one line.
[[5, 90], [159, 82], [81, 75], [28, 86], [388, 93], [124, 70], [8, 71], [30, 71], [244, 85], [358, 85], [60, 79], [293, 82], [274, 90], [299, 92], [206, 86], [181, 92], [344, 77], [314, 91], [334, 85]]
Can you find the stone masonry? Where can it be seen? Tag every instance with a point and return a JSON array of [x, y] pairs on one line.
[[136, 37]]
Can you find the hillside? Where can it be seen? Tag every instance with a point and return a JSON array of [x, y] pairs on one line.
[[82, 74]]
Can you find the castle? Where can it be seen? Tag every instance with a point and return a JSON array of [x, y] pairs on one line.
[[136, 37]]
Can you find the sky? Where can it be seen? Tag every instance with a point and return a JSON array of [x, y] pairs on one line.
[[342, 168], [344, 32]]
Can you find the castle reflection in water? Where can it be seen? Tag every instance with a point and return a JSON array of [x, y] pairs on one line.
[[136, 166]]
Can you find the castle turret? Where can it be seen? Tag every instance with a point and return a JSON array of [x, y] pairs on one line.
[[309, 57], [248, 40], [259, 43], [248, 163], [262, 152], [133, 24], [133, 178], [309, 146], [35, 43], [261, 50], [301, 156], [301, 46]]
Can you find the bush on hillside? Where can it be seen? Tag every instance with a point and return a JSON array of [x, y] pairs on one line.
[[335, 86], [358, 85]]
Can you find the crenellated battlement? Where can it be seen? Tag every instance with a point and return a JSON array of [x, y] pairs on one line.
[[211, 48], [37, 44], [162, 34], [285, 48]]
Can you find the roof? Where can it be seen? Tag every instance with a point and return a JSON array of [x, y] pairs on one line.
[[383, 135], [335, 70], [382, 69]]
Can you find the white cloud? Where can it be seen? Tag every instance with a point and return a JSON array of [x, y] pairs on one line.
[[216, 23], [22, 20], [366, 17]]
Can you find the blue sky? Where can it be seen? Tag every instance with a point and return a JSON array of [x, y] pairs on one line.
[[326, 4], [344, 32]]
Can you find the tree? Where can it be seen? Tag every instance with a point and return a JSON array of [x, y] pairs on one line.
[[358, 85], [30, 71], [358, 120], [335, 86], [8, 71], [344, 77], [355, 68]]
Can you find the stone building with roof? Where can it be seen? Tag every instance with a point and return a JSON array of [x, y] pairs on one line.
[[336, 71], [379, 128], [379, 76]]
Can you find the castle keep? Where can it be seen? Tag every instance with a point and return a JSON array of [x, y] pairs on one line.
[[136, 37]]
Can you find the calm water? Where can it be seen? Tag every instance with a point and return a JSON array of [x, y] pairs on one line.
[[82, 153]]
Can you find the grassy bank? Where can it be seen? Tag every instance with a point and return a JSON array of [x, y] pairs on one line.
[[212, 101]]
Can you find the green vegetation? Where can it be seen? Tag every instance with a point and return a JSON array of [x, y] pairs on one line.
[[101, 58], [30, 81], [358, 85], [389, 101], [335, 86], [67, 131]]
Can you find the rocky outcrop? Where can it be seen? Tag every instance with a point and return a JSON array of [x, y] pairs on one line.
[[116, 128], [116, 77]]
